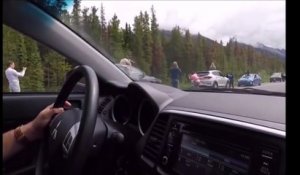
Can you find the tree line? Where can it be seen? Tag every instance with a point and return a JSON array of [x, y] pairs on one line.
[[152, 48]]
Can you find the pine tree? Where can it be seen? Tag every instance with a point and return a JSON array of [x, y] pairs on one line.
[[76, 14], [199, 62], [147, 42], [103, 29], [58, 7], [138, 52], [116, 38], [188, 53], [55, 67], [158, 68], [86, 21], [34, 78], [95, 25], [175, 47], [127, 40], [66, 18]]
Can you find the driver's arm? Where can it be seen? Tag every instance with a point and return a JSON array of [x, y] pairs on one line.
[[13, 140]]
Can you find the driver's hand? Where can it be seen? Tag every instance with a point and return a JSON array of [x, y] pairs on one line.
[[36, 127]]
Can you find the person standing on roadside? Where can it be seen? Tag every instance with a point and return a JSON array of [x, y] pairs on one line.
[[175, 74], [13, 77], [231, 80]]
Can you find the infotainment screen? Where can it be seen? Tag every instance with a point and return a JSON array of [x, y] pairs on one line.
[[206, 156]]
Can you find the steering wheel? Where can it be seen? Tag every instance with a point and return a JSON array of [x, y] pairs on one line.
[[66, 144]]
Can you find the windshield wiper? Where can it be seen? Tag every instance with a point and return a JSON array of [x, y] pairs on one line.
[[241, 91]]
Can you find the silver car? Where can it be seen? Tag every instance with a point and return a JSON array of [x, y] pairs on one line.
[[213, 78]]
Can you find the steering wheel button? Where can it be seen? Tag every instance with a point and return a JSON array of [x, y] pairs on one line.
[[70, 139]]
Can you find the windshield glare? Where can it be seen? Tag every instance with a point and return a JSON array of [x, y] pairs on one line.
[[172, 40]]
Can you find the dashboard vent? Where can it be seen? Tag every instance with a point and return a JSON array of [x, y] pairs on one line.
[[155, 140], [103, 102]]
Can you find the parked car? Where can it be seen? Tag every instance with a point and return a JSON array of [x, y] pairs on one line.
[[213, 78], [277, 77], [250, 80], [136, 74]]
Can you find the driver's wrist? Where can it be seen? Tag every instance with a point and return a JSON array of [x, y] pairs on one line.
[[31, 132]]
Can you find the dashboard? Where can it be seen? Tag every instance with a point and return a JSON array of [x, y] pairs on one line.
[[179, 132]]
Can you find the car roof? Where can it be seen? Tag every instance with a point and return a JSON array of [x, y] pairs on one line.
[[214, 71], [276, 74], [251, 74]]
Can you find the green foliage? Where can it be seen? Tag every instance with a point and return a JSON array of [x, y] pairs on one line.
[[42, 73], [116, 38], [199, 57], [158, 66], [147, 42], [175, 46], [265, 76], [152, 49], [188, 53], [103, 29], [34, 77], [138, 52], [55, 67]]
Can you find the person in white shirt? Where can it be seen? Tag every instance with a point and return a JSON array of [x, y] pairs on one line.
[[13, 77]]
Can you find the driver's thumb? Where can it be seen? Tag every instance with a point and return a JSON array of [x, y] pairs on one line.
[[57, 110]]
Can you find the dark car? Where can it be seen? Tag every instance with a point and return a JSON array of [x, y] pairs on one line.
[[249, 80], [137, 75], [277, 77]]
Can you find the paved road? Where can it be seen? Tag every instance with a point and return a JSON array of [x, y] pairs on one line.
[[277, 87]]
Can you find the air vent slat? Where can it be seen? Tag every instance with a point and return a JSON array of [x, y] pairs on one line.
[[149, 155], [155, 141], [153, 149], [157, 133], [159, 128], [160, 124]]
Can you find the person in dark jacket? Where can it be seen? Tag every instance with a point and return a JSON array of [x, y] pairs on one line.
[[231, 80], [175, 73], [283, 76]]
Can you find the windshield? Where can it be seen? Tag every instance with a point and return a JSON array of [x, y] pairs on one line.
[[171, 40], [247, 76], [276, 75]]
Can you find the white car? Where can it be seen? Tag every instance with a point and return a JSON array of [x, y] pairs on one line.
[[213, 78]]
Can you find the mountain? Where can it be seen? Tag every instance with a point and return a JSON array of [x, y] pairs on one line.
[[280, 53], [259, 47]]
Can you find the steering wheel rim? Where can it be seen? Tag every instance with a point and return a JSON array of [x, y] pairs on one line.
[[84, 136]]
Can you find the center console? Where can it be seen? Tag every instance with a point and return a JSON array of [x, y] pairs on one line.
[[208, 148]]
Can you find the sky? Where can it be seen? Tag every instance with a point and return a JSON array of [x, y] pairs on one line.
[[250, 22]]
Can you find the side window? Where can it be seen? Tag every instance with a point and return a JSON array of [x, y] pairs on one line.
[[29, 66], [216, 73]]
